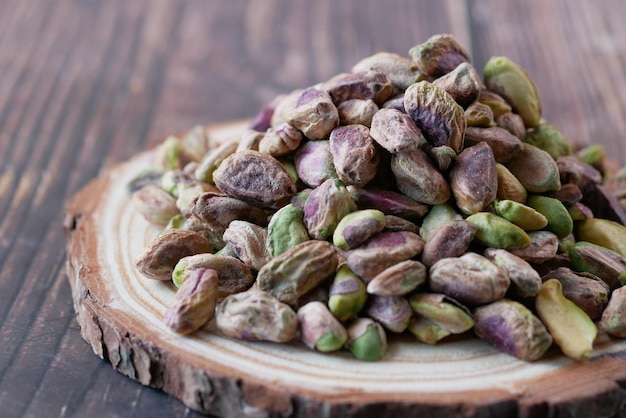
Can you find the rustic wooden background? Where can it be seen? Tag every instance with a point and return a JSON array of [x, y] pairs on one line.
[[85, 84]]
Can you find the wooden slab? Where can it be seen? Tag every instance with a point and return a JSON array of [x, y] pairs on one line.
[[120, 313]]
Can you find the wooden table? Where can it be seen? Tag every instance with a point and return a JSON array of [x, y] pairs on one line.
[[85, 84]]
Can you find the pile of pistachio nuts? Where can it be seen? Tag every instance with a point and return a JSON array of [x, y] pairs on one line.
[[406, 196]]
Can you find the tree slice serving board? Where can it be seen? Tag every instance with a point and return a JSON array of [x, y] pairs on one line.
[[120, 313]]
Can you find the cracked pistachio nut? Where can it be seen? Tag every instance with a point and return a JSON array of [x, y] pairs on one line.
[[298, 270], [521, 215], [470, 279], [496, 232], [571, 328], [313, 112], [608, 265], [398, 280], [439, 55], [233, 275], [417, 178], [511, 327], [319, 329], [325, 206], [525, 281], [357, 227], [613, 319], [355, 156], [443, 311], [509, 80], [440, 119], [286, 229], [256, 316], [194, 302], [255, 178], [366, 339], [392, 312], [159, 259], [474, 179], [347, 294], [535, 169], [559, 220]]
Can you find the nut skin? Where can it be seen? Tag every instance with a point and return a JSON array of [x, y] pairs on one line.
[[319, 329], [280, 140], [512, 328], [392, 312], [219, 211], [440, 119], [248, 241], [512, 122], [437, 217], [325, 207], [194, 302], [473, 179], [357, 111], [439, 55], [544, 246], [354, 155], [256, 316], [479, 115], [312, 112]]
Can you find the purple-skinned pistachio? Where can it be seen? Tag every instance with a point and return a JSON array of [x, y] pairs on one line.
[[427, 331], [417, 178], [479, 115], [437, 217], [388, 202], [325, 207], [525, 281], [395, 223], [357, 111], [512, 122], [503, 144], [498, 105], [354, 155], [512, 328], [382, 251], [194, 302], [357, 227], [319, 329], [249, 243], [396, 103], [393, 312], [347, 294], [442, 310], [402, 71], [312, 112], [608, 265], [256, 316], [535, 169], [155, 204], [366, 339], [439, 55], [364, 85], [442, 156], [440, 119], [613, 319], [398, 280], [218, 210], [394, 130], [314, 162], [280, 140], [463, 84], [263, 120], [474, 179], [568, 194], [451, 240], [544, 245], [470, 279]]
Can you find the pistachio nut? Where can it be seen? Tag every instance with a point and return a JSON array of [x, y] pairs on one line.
[[366, 339], [298, 270], [613, 319], [392, 312], [319, 329], [503, 144], [470, 279], [608, 265], [496, 232], [151, 175], [325, 207], [574, 171], [525, 281], [521, 215], [211, 160], [568, 194], [479, 115], [608, 234], [195, 142], [395, 224], [286, 229], [440, 119], [559, 220], [498, 105], [443, 156], [398, 280], [439, 55], [382, 251], [233, 275], [513, 123], [443, 311], [438, 216], [263, 120], [427, 331], [218, 210], [548, 138], [394, 130], [354, 155], [248, 241], [579, 212], [194, 302], [588, 292], [158, 260], [314, 162], [250, 140], [509, 187], [364, 85], [473, 179], [571, 328], [280, 140], [450, 240], [312, 112], [347, 294], [255, 178], [401, 71], [512, 328], [463, 84], [388, 202], [593, 155], [417, 178], [535, 169], [356, 227], [509, 80], [357, 111], [256, 316], [155, 204], [544, 245]]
